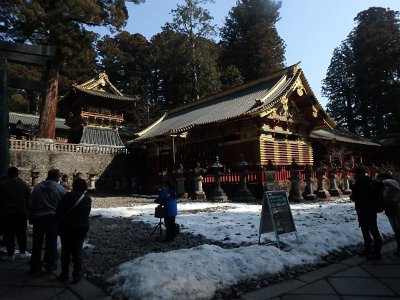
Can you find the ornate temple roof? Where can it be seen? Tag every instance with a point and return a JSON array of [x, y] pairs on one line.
[[248, 99], [97, 91]]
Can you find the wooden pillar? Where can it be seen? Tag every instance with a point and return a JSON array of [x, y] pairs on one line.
[[4, 115], [47, 126]]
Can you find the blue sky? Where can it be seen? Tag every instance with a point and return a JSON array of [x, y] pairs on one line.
[[311, 29]]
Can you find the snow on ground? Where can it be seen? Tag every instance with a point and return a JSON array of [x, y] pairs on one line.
[[198, 272]]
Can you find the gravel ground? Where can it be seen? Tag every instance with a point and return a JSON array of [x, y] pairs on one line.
[[118, 240]]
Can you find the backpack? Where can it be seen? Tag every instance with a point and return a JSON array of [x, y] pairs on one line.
[[377, 192]]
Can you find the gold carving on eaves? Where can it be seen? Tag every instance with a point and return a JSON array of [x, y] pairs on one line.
[[314, 111]]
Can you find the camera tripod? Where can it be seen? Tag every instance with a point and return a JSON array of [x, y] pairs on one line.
[[159, 225]]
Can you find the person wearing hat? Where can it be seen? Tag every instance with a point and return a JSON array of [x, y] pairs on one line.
[[391, 198]]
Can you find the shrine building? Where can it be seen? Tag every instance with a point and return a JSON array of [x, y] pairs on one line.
[[93, 112], [275, 118]]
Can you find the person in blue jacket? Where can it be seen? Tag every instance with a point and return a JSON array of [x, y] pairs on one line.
[[167, 199]]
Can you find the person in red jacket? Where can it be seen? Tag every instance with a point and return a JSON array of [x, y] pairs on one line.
[[72, 215]]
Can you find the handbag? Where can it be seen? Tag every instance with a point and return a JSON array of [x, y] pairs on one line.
[[159, 212]]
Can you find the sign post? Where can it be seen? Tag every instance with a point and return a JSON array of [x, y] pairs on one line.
[[276, 215]]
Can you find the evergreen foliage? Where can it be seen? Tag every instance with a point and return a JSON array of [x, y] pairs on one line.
[[250, 40], [364, 75]]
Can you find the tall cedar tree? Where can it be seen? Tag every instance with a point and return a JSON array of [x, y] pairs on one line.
[[250, 41], [196, 69], [62, 23], [376, 48], [364, 75], [126, 57], [338, 87]]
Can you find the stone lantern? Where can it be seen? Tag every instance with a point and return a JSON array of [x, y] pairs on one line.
[[180, 182], [198, 183], [333, 188], [321, 192], [217, 194], [308, 192], [243, 194], [346, 185], [34, 176], [92, 177], [270, 176], [295, 193]]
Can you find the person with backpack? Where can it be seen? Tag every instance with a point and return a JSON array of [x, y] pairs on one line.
[[391, 198], [168, 200], [72, 215], [364, 193]]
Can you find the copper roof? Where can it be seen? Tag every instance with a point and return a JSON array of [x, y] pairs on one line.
[[247, 99], [340, 135], [98, 87], [33, 120], [101, 136]]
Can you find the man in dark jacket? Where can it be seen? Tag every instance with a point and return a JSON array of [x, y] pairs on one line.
[[73, 217], [363, 194], [44, 200], [13, 212]]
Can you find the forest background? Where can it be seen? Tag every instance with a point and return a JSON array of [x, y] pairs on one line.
[[192, 58]]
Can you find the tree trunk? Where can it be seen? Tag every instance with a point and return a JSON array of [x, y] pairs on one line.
[[4, 115], [47, 129]]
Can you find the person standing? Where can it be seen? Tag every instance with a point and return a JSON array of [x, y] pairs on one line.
[[13, 213], [391, 199], [64, 182], [363, 194], [167, 199], [45, 198], [72, 216]]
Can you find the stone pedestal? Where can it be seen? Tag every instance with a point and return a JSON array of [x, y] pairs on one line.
[[92, 182], [346, 184], [198, 183], [321, 192], [333, 188], [308, 193], [180, 187], [198, 188], [243, 194], [217, 194], [270, 180]]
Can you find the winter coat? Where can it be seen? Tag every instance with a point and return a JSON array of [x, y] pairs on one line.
[[363, 194], [14, 196], [391, 198], [76, 219], [45, 198], [167, 198]]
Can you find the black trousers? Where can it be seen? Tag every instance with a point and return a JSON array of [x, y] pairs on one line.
[[369, 227], [14, 226], [71, 247], [44, 229], [170, 227]]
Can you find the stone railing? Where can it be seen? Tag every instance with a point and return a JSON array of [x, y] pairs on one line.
[[64, 147]]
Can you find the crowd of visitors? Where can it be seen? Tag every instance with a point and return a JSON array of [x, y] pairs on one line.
[[53, 210], [372, 196]]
